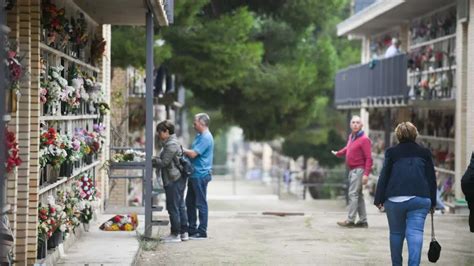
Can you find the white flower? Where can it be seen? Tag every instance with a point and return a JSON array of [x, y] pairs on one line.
[[77, 83], [86, 188], [81, 205], [62, 82], [55, 75], [89, 82], [62, 228], [51, 200], [86, 179]]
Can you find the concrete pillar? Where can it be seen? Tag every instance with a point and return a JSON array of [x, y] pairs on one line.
[[365, 50], [468, 107], [461, 122], [364, 116]]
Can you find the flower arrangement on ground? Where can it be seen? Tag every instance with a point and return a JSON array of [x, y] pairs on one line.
[[127, 222]]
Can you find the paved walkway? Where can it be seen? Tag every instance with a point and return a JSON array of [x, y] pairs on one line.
[[98, 247], [239, 233]]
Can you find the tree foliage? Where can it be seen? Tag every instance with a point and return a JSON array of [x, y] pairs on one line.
[[267, 65]]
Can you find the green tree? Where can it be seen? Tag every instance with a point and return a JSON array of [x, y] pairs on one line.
[[267, 66]]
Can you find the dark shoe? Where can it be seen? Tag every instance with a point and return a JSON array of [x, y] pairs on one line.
[[361, 225], [198, 236], [346, 224]]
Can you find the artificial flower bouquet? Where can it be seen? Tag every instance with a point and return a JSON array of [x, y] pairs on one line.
[[12, 152], [127, 222], [129, 155]]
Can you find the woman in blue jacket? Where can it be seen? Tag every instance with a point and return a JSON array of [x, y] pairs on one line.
[[407, 190]]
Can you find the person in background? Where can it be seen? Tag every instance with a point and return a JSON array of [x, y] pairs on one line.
[[467, 186], [393, 49], [407, 190], [359, 161], [173, 182], [201, 154]]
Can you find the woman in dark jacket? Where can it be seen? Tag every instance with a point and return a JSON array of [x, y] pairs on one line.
[[467, 185], [173, 182], [407, 190]]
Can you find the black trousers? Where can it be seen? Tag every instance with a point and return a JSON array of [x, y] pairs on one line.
[[468, 190]]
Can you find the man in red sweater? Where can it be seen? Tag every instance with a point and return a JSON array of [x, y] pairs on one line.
[[359, 160]]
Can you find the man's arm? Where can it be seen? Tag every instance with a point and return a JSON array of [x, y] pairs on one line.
[[198, 148], [340, 152], [190, 153]]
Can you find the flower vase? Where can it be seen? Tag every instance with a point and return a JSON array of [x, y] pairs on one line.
[[88, 159], [86, 226], [43, 175], [64, 108], [14, 101], [42, 249], [66, 169], [53, 174]]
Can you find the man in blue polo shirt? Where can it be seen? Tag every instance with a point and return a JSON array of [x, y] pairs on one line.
[[201, 154]]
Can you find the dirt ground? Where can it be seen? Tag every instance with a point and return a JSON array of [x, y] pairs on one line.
[[239, 234]]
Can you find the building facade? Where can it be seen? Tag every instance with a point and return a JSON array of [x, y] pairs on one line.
[[426, 79], [57, 120]]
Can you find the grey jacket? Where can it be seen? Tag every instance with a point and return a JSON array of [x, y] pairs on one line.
[[166, 162]]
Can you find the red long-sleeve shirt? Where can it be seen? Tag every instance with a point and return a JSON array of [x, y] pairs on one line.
[[358, 153]]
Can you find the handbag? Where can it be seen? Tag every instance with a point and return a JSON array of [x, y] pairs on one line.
[[435, 248]]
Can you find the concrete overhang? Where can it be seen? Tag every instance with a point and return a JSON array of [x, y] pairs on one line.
[[123, 12], [386, 14]]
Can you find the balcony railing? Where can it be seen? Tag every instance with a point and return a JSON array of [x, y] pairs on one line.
[[384, 79]]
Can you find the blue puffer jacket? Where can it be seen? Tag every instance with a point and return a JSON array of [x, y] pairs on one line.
[[407, 171]]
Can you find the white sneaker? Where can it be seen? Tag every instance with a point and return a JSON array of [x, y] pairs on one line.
[[184, 236], [171, 239]]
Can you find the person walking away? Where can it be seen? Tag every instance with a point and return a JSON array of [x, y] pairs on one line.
[[407, 190], [174, 184], [467, 186], [359, 161], [201, 154]]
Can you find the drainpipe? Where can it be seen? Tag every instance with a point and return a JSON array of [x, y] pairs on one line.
[[3, 32], [149, 123]]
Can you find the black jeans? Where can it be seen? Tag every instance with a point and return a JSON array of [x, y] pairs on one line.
[[176, 207]]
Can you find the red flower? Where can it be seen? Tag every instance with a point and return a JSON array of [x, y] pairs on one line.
[[117, 219]]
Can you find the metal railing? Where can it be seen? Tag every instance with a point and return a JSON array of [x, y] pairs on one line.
[[384, 78]]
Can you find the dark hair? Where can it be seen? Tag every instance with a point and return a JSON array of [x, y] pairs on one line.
[[165, 125]]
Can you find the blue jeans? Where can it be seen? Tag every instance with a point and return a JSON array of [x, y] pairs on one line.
[[407, 219], [175, 206], [196, 201]]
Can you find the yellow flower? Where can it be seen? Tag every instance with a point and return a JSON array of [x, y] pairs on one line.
[[128, 227], [114, 227]]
